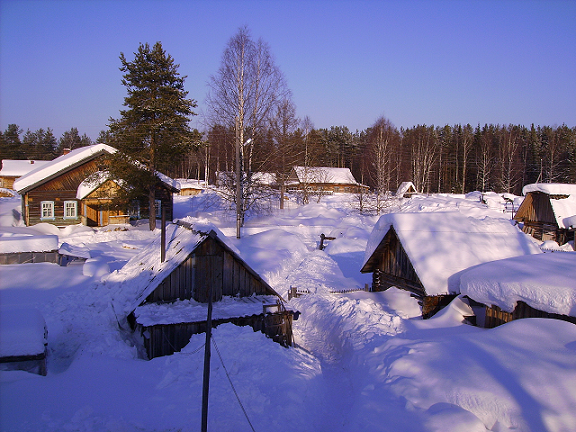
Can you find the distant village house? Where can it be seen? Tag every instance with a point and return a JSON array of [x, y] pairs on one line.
[[324, 180], [406, 190], [14, 169], [548, 211]]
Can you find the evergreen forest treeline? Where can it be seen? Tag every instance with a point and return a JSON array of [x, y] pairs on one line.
[[448, 159]]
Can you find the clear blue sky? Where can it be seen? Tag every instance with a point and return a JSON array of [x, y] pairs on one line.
[[346, 62]]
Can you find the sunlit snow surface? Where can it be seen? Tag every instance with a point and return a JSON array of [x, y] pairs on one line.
[[363, 361]]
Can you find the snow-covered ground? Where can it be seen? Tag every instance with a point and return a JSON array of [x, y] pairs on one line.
[[363, 361]]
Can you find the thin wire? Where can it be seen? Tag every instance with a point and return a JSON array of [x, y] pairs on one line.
[[232, 385]]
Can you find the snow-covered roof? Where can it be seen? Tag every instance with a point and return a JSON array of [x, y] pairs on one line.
[[442, 244], [18, 168], [187, 311], [191, 183], [61, 164], [325, 175], [264, 178], [20, 242], [405, 187], [22, 331], [564, 208], [546, 282], [550, 188], [168, 181], [145, 271], [91, 184]]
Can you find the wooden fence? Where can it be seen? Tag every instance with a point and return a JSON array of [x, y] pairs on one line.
[[295, 292]]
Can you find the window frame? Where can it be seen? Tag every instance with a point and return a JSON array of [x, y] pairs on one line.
[[47, 205], [75, 206]]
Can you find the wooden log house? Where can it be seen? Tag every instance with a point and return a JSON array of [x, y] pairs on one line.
[[324, 180], [170, 298], [424, 253], [548, 211], [53, 193]]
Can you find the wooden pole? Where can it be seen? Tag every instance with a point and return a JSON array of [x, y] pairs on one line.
[[163, 236], [206, 380]]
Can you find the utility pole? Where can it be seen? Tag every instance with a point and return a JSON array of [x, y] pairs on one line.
[[206, 378]]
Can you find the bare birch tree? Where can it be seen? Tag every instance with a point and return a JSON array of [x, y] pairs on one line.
[[243, 95], [382, 138]]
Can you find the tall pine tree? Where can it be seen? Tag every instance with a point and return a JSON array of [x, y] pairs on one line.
[[153, 132]]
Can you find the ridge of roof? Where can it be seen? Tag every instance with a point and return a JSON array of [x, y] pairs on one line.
[[62, 163]]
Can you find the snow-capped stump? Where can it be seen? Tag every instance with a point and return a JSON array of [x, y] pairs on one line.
[[23, 339], [548, 211], [424, 252], [166, 301], [536, 286]]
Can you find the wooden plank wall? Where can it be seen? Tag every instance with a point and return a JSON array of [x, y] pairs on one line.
[[496, 316], [166, 339], [178, 285], [210, 265], [394, 267], [32, 257]]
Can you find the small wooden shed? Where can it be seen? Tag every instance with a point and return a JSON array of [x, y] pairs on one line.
[[548, 211], [406, 190], [191, 187], [169, 299], [536, 286], [424, 253]]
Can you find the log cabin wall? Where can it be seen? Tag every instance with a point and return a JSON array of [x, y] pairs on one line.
[[165, 196], [394, 267], [58, 190]]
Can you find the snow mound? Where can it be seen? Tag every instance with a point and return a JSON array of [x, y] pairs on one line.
[[22, 331]]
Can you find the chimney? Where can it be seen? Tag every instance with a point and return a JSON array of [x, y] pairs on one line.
[[65, 151]]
